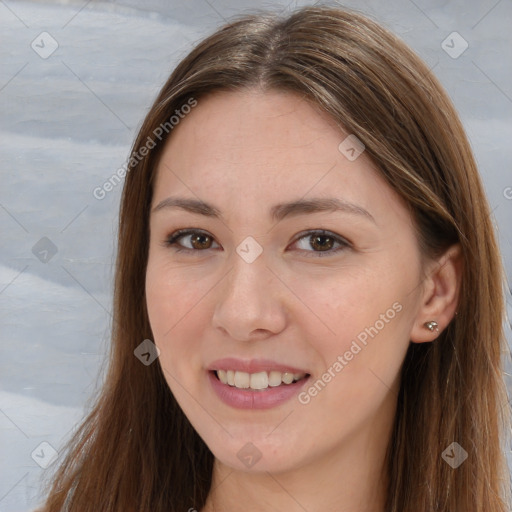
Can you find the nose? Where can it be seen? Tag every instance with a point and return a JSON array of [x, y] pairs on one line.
[[250, 302]]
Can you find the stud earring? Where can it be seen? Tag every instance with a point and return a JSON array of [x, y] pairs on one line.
[[431, 326]]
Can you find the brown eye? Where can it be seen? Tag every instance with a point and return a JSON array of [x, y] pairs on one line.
[[323, 243], [200, 241], [191, 240]]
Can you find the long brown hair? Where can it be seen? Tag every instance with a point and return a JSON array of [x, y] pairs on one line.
[[136, 450]]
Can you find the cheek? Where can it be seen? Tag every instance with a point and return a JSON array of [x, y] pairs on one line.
[[176, 316], [341, 303], [173, 296], [361, 316]]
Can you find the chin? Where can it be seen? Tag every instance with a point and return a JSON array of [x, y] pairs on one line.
[[256, 453]]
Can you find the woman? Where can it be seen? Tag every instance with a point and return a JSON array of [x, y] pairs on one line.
[[308, 296]]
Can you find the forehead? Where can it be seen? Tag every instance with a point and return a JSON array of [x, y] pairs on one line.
[[264, 129], [250, 149]]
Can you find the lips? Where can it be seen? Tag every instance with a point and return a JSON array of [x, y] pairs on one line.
[[255, 399], [254, 366]]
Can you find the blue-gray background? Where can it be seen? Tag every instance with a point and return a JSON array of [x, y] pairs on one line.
[[66, 125]]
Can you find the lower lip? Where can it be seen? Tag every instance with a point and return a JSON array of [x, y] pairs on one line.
[[255, 399]]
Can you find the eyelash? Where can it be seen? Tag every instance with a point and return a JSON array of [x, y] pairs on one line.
[[172, 239]]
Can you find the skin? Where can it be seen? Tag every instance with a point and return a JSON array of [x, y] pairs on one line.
[[244, 152]]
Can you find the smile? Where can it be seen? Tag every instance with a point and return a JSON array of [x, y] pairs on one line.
[[270, 388], [257, 381]]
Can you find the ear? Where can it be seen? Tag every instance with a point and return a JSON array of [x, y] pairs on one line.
[[440, 295]]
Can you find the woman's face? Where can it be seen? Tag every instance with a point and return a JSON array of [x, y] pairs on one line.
[[270, 281]]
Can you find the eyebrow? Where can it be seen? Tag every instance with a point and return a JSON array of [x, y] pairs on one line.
[[277, 213]]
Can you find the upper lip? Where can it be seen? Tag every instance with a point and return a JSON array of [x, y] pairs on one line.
[[253, 366]]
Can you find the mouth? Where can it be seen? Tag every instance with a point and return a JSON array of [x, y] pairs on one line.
[[259, 381]]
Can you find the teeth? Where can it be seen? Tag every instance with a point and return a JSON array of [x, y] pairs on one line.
[[242, 380], [260, 380], [274, 378]]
